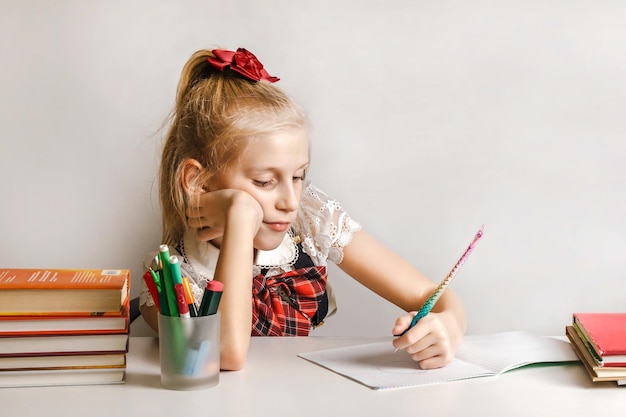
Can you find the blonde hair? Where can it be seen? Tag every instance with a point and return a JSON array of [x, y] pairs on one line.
[[214, 115]]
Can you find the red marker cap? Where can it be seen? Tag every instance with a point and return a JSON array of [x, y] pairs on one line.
[[214, 286]]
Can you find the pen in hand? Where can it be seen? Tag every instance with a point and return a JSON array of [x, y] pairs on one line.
[[432, 299]]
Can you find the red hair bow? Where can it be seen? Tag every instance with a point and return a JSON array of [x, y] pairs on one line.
[[243, 62]]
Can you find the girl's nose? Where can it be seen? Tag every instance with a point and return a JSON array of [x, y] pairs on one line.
[[288, 200]]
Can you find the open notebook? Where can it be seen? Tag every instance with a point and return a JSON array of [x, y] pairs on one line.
[[376, 366]]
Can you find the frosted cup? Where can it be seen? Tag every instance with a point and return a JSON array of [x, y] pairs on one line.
[[189, 351]]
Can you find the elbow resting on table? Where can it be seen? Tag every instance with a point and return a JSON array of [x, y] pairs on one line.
[[232, 359]]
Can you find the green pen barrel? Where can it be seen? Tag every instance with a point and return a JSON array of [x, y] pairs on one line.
[[167, 283]]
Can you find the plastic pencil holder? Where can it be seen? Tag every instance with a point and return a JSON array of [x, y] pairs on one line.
[[189, 351]]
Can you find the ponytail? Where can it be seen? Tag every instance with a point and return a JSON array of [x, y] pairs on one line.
[[195, 70]]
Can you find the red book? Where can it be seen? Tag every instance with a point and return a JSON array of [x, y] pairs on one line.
[[606, 334], [63, 291]]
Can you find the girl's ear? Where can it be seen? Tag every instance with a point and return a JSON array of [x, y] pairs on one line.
[[192, 177]]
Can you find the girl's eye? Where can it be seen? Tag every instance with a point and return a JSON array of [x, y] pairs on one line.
[[262, 184], [300, 178]]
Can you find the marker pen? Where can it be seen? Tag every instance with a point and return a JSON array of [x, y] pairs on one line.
[[177, 277], [211, 298], [158, 277], [152, 287], [191, 301], [164, 255], [181, 301]]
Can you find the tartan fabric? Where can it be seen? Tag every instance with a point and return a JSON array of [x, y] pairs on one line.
[[285, 304]]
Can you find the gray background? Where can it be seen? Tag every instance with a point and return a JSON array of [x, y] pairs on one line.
[[430, 118]]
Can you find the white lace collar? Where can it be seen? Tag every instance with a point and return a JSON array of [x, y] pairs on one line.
[[285, 254], [202, 256]]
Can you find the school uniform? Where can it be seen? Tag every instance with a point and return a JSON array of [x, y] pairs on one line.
[[290, 291]]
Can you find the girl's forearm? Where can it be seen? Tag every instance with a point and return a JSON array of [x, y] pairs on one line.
[[234, 270]]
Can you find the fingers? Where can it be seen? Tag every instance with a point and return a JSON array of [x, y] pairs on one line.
[[430, 352], [428, 342], [402, 323], [205, 231], [193, 210], [413, 335], [213, 211], [433, 362], [196, 222]]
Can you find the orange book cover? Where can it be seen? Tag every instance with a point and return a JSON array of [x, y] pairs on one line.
[[63, 291]]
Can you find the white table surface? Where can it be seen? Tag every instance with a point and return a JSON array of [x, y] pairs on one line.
[[275, 382]]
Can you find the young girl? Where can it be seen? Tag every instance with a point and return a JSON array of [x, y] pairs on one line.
[[238, 208]]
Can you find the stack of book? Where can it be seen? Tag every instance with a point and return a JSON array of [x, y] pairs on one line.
[[599, 339], [63, 327]]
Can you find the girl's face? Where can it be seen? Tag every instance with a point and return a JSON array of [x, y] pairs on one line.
[[272, 169]]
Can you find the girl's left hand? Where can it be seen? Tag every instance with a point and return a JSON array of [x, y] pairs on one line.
[[208, 213], [429, 342]]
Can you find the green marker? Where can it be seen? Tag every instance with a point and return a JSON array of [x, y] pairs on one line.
[[177, 277], [168, 283], [156, 277], [211, 298]]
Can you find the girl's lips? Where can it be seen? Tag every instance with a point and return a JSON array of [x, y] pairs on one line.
[[278, 227]]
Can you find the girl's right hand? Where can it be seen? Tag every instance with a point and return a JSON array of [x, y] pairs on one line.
[[211, 211]]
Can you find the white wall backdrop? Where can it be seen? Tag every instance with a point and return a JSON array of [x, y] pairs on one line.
[[430, 118]]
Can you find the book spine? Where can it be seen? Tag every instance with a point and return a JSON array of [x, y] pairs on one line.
[[63, 278], [80, 332], [585, 339]]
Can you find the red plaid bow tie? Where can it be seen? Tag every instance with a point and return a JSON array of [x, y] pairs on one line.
[[283, 305]]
